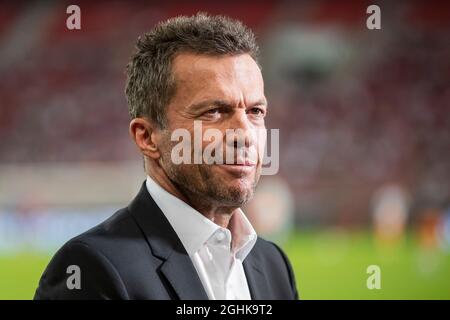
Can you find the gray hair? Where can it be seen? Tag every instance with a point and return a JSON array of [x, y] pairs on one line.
[[150, 83]]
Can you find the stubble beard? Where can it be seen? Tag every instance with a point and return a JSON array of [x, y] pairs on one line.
[[200, 185]]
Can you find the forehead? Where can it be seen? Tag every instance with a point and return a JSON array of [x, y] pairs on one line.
[[234, 77]]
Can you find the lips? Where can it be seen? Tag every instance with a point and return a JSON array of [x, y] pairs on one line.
[[239, 170], [246, 163]]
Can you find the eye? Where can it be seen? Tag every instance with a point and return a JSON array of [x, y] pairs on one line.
[[213, 111], [256, 111]]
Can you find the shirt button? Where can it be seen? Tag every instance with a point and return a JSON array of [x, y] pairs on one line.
[[220, 236]]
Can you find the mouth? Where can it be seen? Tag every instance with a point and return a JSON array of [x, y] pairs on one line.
[[239, 168], [239, 162]]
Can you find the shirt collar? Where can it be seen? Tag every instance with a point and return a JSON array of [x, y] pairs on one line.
[[194, 229]]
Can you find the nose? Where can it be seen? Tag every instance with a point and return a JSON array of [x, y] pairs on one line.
[[242, 130]]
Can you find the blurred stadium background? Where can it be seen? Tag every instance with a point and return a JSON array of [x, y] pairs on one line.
[[364, 124]]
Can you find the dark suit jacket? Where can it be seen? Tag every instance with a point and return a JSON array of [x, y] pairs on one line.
[[135, 254]]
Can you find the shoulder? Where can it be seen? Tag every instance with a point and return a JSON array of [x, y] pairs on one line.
[[120, 225], [90, 257], [268, 250]]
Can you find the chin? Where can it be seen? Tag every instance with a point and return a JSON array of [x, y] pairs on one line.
[[238, 194]]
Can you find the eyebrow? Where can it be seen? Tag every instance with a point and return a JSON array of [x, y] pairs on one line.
[[223, 104]]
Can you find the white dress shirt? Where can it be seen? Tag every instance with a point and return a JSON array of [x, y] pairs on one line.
[[216, 252]]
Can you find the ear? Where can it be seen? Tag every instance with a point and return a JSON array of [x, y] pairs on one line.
[[145, 135]]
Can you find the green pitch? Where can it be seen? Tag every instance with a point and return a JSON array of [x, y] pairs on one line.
[[328, 265]]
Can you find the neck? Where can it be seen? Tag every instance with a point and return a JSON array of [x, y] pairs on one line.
[[218, 214]]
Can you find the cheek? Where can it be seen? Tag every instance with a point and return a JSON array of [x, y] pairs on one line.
[[261, 140], [165, 147]]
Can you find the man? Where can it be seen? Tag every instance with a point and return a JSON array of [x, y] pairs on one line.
[[184, 236]]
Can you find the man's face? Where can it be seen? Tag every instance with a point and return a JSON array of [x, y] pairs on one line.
[[223, 92]]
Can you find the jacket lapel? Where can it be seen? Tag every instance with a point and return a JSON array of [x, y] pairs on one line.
[[257, 283], [180, 272], [176, 265]]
